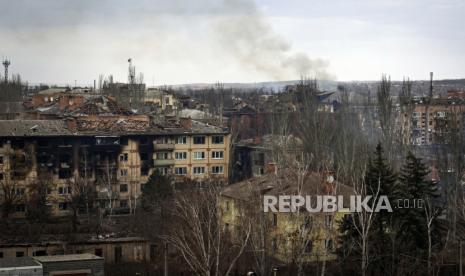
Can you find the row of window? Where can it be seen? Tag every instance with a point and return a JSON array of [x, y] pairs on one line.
[[197, 155], [197, 140], [199, 170]]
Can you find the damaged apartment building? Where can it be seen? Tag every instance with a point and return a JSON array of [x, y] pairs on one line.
[[92, 138]]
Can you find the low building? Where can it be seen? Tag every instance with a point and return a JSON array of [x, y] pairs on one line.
[[72, 265], [113, 250], [25, 266]]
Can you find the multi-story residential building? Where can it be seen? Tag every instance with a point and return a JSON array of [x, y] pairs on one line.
[[117, 154], [427, 121], [299, 236]]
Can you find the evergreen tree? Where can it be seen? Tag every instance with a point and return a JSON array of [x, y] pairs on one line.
[[379, 180], [411, 222]]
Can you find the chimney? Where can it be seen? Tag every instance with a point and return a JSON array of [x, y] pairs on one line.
[[430, 85], [186, 122]]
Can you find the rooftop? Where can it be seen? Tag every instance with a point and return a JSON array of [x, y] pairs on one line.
[[67, 258], [285, 183], [18, 262]]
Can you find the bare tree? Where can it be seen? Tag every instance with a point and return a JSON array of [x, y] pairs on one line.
[[197, 234]]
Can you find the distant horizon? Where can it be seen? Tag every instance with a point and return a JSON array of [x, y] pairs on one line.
[[148, 85]]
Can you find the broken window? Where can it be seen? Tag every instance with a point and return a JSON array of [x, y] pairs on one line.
[[143, 140], [123, 157], [124, 172], [123, 203], [144, 170], [98, 252], [144, 156], [63, 206], [218, 139], [123, 188], [20, 208], [64, 173], [199, 140], [118, 254]]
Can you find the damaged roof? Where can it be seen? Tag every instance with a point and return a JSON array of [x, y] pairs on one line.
[[33, 128], [284, 183]]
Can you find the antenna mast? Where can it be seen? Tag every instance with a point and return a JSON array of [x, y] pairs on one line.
[[6, 63]]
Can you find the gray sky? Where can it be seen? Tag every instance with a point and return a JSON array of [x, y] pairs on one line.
[[186, 41]]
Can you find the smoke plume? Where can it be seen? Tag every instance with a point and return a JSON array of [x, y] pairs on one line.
[[245, 33]]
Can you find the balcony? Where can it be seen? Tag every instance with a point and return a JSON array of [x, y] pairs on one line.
[[163, 146], [163, 162]]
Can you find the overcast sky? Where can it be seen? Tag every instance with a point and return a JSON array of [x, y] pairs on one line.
[[186, 41]]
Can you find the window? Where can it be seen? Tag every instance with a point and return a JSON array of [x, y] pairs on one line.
[[19, 254], [275, 219], [143, 140], [329, 245], [99, 252], [274, 244], [1, 176], [180, 155], [153, 251], [217, 169], [217, 139], [181, 140], [123, 188], [20, 208], [123, 203], [123, 157], [180, 170], [199, 155], [1, 255], [144, 170], [64, 174], [199, 140], [64, 190], [1, 159], [123, 172], [328, 220], [162, 170], [144, 156], [199, 170], [39, 253], [217, 154], [118, 254], [63, 206], [20, 191], [227, 205], [124, 141], [163, 155], [309, 247]]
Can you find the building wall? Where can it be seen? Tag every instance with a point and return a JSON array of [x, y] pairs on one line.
[[133, 251], [81, 157], [22, 272], [279, 245], [190, 149], [81, 267]]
